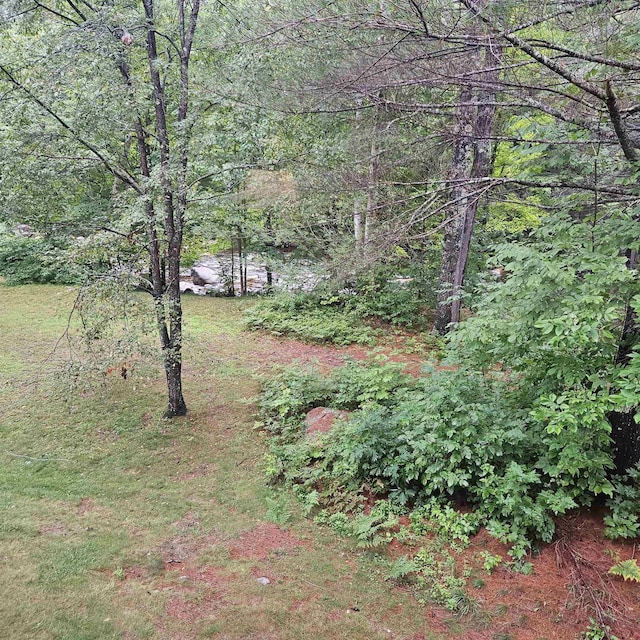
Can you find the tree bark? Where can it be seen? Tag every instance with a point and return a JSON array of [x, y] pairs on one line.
[[461, 166], [482, 163], [357, 221], [472, 161], [625, 431], [174, 197]]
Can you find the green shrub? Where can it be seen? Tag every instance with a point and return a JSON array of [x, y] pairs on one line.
[[623, 520], [337, 317], [519, 427], [444, 521], [383, 294], [301, 317], [35, 260], [289, 396]]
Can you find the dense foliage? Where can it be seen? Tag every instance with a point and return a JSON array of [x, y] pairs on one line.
[[336, 315], [518, 427], [26, 260]]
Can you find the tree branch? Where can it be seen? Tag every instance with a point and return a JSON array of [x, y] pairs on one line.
[[557, 67], [618, 125], [56, 13], [579, 55], [122, 175]]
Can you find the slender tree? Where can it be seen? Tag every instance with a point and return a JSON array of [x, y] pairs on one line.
[[161, 130]]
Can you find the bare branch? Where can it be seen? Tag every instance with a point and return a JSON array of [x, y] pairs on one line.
[[551, 64], [56, 13], [579, 55]]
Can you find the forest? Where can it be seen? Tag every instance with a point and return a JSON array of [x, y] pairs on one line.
[[424, 215]]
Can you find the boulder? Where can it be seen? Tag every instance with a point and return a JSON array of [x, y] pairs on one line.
[[193, 288], [23, 230], [204, 275]]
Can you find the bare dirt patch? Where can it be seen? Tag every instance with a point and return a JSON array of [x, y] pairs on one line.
[[555, 601], [86, 505], [54, 529], [200, 472], [192, 610], [262, 541]]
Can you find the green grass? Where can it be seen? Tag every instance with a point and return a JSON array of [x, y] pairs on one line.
[[98, 492]]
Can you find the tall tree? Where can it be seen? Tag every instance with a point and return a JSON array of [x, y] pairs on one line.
[[600, 83], [153, 105], [470, 167]]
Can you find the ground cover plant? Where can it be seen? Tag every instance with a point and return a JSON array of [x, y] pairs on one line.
[[348, 314], [304, 317]]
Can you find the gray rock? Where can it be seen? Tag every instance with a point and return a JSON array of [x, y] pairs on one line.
[[193, 288], [204, 275], [322, 419]]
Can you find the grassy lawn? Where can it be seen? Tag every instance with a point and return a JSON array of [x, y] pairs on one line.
[[119, 524]]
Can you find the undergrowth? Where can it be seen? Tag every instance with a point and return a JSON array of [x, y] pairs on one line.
[[519, 428], [303, 317], [337, 316]]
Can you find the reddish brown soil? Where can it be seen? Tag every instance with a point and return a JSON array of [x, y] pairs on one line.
[[268, 352], [199, 594], [261, 542], [555, 602], [321, 419]]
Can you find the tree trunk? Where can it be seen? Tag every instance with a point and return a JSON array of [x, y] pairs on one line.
[[173, 371], [174, 199], [372, 186], [357, 221], [270, 244], [231, 289], [170, 333], [461, 165], [482, 164], [245, 267], [625, 431], [472, 161]]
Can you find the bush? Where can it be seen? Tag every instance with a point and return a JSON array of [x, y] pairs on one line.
[[309, 318], [623, 520], [35, 260], [337, 317], [383, 295], [456, 434], [519, 427], [287, 398]]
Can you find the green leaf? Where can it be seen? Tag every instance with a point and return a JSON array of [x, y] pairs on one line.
[[627, 569]]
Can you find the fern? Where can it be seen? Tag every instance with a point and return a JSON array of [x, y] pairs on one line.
[[627, 569]]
